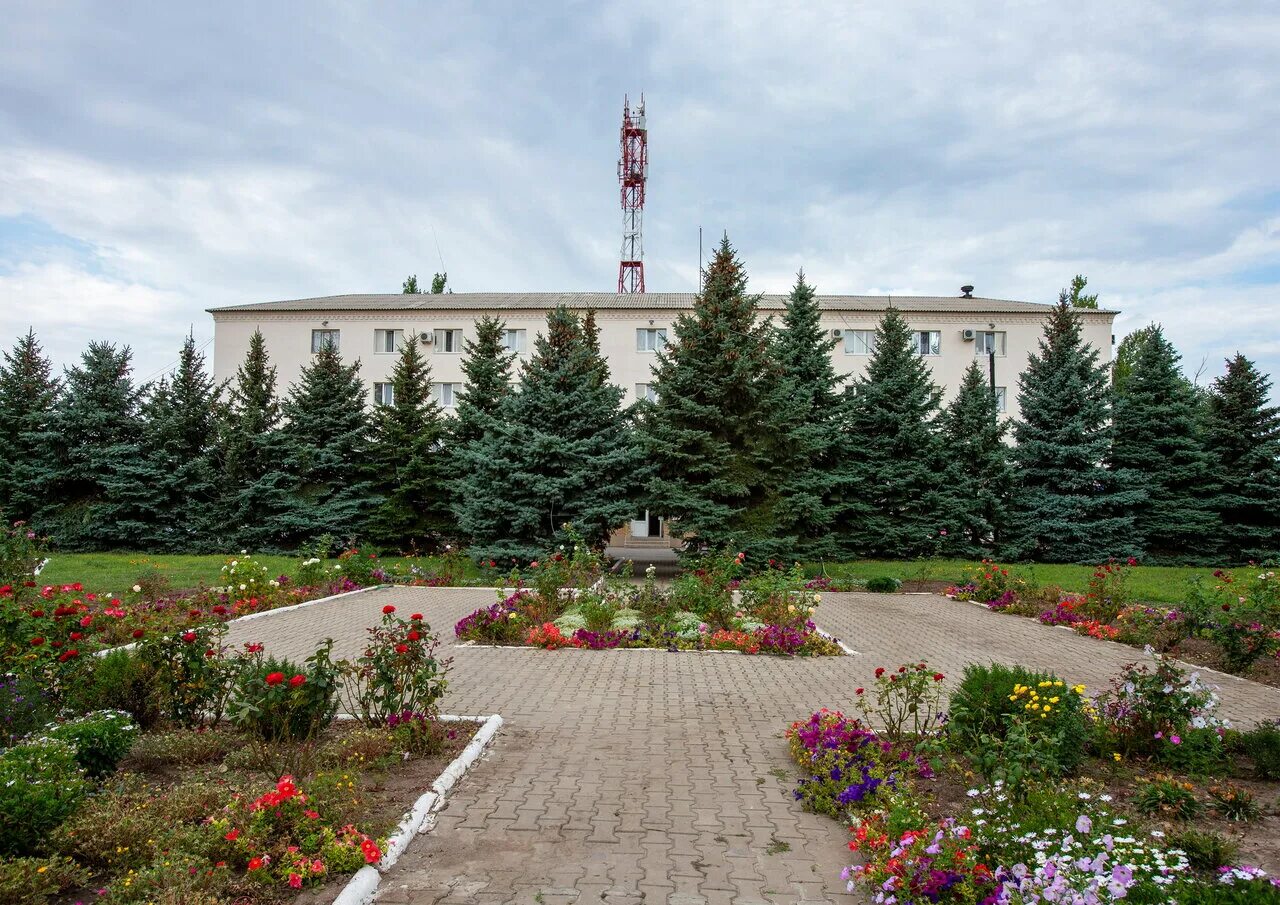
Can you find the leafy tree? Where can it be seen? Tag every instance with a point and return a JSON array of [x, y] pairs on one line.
[[804, 413], [438, 283], [486, 367], [407, 451], [28, 395], [1156, 437], [888, 484], [559, 452], [1077, 295], [704, 440], [325, 454], [181, 416], [976, 459], [1242, 438], [410, 285], [1068, 506], [1128, 352], [95, 487]]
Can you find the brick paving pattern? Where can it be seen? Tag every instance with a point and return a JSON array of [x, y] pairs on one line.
[[629, 776]]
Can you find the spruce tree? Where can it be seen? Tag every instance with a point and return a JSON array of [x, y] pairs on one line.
[[95, 495], [978, 474], [407, 453], [28, 395], [888, 484], [704, 440], [486, 367], [1242, 439], [1156, 438], [1068, 506], [560, 451], [324, 447], [804, 420]]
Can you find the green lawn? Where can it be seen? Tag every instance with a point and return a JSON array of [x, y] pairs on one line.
[[117, 572], [1148, 584]]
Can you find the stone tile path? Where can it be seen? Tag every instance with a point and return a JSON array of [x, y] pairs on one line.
[[631, 776]]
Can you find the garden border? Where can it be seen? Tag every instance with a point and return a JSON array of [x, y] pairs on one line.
[[363, 885], [845, 649]]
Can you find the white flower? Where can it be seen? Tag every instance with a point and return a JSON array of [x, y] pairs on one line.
[[137, 589], [243, 587]]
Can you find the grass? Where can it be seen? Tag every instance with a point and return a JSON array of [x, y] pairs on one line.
[[117, 572], [1147, 584]]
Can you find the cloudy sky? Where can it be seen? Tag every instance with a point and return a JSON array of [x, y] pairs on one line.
[[157, 159]]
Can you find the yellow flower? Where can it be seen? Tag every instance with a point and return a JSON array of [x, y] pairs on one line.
[[1053, 700], [1078, 689], [1047, 708], [1117, 757], [1013, 697], [1057, 684], [42, 868]]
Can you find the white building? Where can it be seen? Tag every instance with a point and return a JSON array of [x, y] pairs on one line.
[[950, 332]]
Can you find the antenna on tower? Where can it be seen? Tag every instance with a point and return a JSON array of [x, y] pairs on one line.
[[633, 171]]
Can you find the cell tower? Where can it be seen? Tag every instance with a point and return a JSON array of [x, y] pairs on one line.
[[633, 170]]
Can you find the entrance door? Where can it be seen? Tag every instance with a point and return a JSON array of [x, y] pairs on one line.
[[655, 525], [640, 526]]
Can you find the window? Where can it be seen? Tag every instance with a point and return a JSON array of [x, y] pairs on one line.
[[388, 340], [646, 392], [384, 393], [928, 342], [446, 394], [988, 341], [1000, 399], [513, 340], [859, 342], [321, 338], [448, 340], [652, 339]]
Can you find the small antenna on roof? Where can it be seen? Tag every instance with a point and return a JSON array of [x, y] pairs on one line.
[[967, 291]]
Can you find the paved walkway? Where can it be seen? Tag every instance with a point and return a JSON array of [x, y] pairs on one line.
[[628, 776]]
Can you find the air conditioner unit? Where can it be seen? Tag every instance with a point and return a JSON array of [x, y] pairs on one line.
[[969, 335], [428, 337], [837, 334]]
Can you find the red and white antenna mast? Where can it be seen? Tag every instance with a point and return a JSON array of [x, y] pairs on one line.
[[633, 170]]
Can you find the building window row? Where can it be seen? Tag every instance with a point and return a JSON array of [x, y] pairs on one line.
[[445, 394]]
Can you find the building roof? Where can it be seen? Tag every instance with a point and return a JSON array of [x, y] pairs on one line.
[[512, 301]]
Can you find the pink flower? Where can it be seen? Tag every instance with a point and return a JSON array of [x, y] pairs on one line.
[[295, 880], [1175, 739]]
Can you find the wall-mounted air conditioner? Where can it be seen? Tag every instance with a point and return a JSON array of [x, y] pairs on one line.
[[837, 334], [428, 337], [969, 335]]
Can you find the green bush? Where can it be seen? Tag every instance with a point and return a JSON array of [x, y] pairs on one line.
[[1206, 851], [883, 584], [181, 748], [1199, 752], [279, 701], [40, 786], [34, 881], [1262, 745], [1241, 892], [121, 680], [1163, 796], [101, 740], [192, 685], [24, 707]]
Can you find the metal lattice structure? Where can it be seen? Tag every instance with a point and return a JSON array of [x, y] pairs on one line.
[[633, 171]]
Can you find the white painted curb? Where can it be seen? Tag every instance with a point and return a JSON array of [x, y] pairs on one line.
[[363, 885]]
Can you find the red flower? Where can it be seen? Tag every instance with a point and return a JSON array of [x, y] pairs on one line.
[[371, 851], [36, 613], [859, 690], [275, 678], [253, 648], [68, 655], [188, 637], [879, 671], [416, 617], [297, 680], [232, 836], [388, 609], [220, 610], [311, 815], [402, 648], [295, 880], [255, 863], [37, 641], [414, 635], [938, 677], [138, 633], [76, 636]]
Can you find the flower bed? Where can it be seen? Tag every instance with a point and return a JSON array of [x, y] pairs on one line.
[[710, 607], [1076, 799]]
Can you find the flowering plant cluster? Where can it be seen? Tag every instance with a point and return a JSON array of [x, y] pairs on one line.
[[398, 671], [1240, 612], [1150, 706], [989, 583], [905, 702], [501, 623]]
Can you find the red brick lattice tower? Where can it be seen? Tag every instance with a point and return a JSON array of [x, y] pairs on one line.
[[633, 170]]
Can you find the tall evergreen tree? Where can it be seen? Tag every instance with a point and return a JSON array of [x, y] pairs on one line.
[[1127, 353], [704, 440], [888, 499], [1068, 506], [28, 396], [93, 495], [559, 452], [324, 448], [1242, 438], [486, 369], [181, 416], [978, 474], [804, 419], [407, 452], [1156, 438]]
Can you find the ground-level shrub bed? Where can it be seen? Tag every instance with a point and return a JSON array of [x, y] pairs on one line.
[[1050, 795], [709, 607]]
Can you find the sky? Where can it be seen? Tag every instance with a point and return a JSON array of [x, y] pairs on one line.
[[159, 159]]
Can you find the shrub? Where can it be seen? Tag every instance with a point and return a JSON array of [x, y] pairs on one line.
[[1108, 591], [778, 597], [279, 701], [1241, 614], [193, 674], [397, 672], [883, 584], [24, 707], [597, 610], [121, 680], [359, 568], [180, 748], [418, 733], [40, 786], [905, 701], [1146, 706], [22, 553], [1164, 796], [1234, 803], [706, 586], [36, 880], [1207, 851], [1200, 752], [101, 740], [1262, 745], [245, 575], [359, 746], [990, 583]]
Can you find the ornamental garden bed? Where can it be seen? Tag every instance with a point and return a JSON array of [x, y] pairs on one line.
[[1229, 620], [571, 604], [1033, 790], [185, 772]]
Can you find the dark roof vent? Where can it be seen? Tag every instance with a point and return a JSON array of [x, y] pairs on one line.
[[967, 291]]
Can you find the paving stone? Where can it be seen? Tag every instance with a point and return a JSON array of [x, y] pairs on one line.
[[623, 777]]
